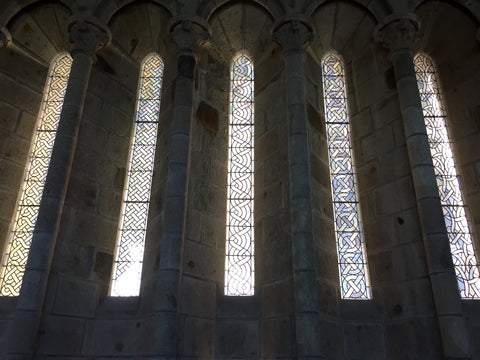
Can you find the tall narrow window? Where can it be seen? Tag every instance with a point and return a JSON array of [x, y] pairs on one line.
[[461, 245], [16, 255], [239, 263], [133, 225], [352, 261]]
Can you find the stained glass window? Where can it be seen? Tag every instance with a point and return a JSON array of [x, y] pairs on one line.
[[133, 225], [239, 263], [461, 244], [16, 255], [352, 261]]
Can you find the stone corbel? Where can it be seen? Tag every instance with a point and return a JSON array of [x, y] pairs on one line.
[[189, 33], [294, 33], [5, 37], [87, 35], [398, 31]]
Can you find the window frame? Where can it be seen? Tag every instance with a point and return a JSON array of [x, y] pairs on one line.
[[136, 199]]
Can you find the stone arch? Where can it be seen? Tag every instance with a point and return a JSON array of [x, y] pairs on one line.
[[208, 9], [440, 39], [378, 10], [254, 35], [40, 29], [138, 38], [13, 10], [106, 10], [348, 41], [470, 7]]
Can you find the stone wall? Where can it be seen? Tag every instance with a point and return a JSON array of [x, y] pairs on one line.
[[18, 108], [182, 311], [456, 55]]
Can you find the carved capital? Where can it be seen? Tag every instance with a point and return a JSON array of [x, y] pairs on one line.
[[188, 33], [5, 37], [87, 36], [398, 32], [293, 34]]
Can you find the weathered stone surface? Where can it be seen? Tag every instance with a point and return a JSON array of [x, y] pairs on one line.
[[277, 338], [363, 341], [238, 338], [197, 298], [297, 310], [69, 334], [199, 337], [75, 298], [117, 337]]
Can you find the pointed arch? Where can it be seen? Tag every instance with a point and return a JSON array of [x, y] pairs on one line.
[[18, 247], [239, 262], [128, 264], [352, 259], [454, 209]]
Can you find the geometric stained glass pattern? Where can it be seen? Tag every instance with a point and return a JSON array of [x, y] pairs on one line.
[[352, 261], [239, 262], [459, 235], [127, 270], [16, 255]]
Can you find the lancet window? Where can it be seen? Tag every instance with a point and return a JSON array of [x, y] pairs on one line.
[[454, 210], [239, 263], [127, 270], [20, 239], [352, 260]]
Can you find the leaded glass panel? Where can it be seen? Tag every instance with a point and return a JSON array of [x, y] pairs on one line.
[[352, 262], [20, 239], [133, 225], [239, 263], [461, 244]]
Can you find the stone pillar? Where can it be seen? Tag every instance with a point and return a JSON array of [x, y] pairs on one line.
[[293, 35], [87, 37], [5, 37], [187, 34], [398, 34]]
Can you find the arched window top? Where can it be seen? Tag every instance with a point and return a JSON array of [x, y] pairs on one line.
[[450, 193], [424, 63], [352, 260], [237, 58], [242, 76], [152, 65], [61, 65], [150, 86], [426, 73], [332, 63], [239, 262], [26, 215], [334, 89], [128, 265]]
